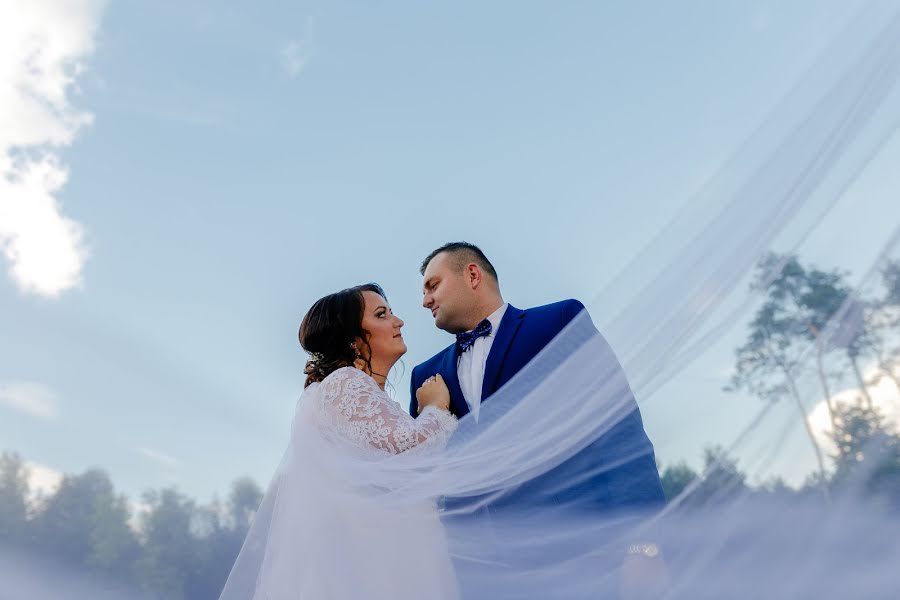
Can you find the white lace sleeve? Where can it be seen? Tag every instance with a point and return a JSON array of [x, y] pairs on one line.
[[363, 413]]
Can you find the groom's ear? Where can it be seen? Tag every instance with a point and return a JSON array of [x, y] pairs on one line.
[[474, 276]]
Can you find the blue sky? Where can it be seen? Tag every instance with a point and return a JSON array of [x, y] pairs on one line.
[[244, 159]]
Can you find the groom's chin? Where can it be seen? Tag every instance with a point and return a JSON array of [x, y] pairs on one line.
[[444, 326]]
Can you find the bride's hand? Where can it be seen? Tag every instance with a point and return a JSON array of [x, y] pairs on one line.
[[433, 392]]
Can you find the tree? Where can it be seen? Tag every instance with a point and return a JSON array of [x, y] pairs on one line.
[[676, 478], [770, 361], [13, 497], [180, 550], [214, 552], [114, 544], [168, 564], [891, 277], [820, 298], [837, 320], [84, 522], [868, 456], [722, 480], [883, 324], [242, 503], [226, 532]]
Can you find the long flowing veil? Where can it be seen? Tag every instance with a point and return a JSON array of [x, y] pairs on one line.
[[667, 307]]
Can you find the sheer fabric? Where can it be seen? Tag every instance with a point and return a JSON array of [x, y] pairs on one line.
[[423, 523], [325, 538]]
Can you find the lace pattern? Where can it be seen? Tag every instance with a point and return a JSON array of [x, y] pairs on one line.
[[358, 411]]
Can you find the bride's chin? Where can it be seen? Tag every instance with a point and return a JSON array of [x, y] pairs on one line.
[[401, 350]]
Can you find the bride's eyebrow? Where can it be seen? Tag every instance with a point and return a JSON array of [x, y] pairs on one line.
[[377, 308]]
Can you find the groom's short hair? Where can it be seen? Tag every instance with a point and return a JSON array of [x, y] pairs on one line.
[[462, 253]]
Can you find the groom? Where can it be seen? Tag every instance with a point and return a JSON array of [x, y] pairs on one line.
[[494, 341]]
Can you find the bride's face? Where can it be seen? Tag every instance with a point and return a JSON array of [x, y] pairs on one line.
[[384, 330]]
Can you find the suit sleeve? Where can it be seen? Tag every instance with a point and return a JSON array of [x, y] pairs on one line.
[[571, 309], [585, 330], [623, 456], [631, 480], [413, 386]]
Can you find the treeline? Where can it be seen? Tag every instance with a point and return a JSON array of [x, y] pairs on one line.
[[866, 468], [177, 549], [814, 326], [173, 548]]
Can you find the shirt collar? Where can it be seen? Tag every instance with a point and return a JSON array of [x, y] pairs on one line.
[[496, 317]]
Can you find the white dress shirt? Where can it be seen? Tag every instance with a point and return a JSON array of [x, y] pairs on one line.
[[470, 364]]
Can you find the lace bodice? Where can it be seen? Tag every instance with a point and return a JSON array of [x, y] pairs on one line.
[[359, 411]]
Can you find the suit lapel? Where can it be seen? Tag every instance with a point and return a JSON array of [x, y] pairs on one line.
[[506, 333], [458, 405]]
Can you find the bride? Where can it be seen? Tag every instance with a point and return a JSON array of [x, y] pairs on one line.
[[344, 419]]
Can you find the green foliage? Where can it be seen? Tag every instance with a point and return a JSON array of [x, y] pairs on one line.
[[86, 523], [676, 478], [868, 455], [176, 550], [722, 480], [113, 544], [803, 306], [13, 497], [891, 276], [773, 350], [243, 501], [808, 312]]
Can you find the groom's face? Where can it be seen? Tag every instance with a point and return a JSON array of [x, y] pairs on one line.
[[446, 294]]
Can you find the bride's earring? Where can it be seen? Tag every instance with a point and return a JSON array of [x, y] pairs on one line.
[[357, 362]]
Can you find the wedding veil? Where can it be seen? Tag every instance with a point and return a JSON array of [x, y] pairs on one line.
[[669, 304]]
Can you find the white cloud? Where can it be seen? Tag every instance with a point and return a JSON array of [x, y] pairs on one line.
[[43, 46], [295, 54], [42, 480], [30, 398], [160, 457], [885, 397], [138, 509]]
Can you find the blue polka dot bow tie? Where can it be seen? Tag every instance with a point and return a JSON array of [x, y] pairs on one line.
[[465, 340]]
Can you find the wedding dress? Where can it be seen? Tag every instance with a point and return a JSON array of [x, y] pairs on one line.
[[329, 540]]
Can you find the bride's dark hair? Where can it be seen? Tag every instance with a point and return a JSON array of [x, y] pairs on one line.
[[330, 329]]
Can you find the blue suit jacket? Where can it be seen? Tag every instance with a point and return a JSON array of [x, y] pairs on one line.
[[621, 483]]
